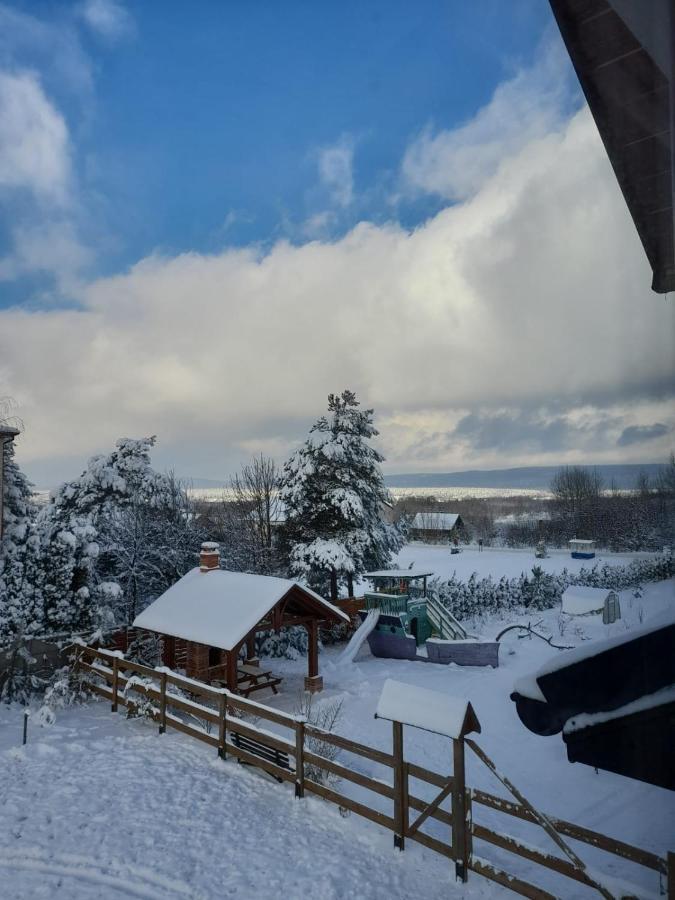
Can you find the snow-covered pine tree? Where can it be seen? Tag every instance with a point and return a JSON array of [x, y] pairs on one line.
[[18, 612], [87, 533], [334, 495]]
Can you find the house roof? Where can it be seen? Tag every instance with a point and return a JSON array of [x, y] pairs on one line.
[[622, 53], [435, 521], [219, 608]]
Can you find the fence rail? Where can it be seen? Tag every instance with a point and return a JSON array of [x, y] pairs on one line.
[[133, 685]]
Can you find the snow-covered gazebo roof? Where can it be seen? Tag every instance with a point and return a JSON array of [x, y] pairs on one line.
[[220, 608]]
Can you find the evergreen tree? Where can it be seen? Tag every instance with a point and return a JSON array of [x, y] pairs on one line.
[[18, 549], [334, 494], [112, 540]]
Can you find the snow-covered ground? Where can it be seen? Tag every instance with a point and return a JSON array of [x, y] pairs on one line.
[[500, 561], [99, 807]]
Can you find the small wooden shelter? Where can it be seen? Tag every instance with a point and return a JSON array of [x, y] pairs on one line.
[[210, 614]]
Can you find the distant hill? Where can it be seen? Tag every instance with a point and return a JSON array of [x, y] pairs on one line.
[[530, 477]]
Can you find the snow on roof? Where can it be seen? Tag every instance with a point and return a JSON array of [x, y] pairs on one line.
[[422, 708], [648, 701], [219, 608], [583, 541], [435, 521], [397, 573], [578, 600]]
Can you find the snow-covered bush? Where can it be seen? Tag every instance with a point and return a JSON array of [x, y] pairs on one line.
[[65, 688], [139, 705], [289, 643], [540, 590], [324, 714]]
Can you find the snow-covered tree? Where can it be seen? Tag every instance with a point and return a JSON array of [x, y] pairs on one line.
[[111, 540], [334, 495], [18, 548]]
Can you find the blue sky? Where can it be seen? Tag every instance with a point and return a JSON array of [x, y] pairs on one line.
[[196, 126], [264, 202]]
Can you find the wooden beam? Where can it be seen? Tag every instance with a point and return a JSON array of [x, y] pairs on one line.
[[232, 669], [399, 805], [313, 648]]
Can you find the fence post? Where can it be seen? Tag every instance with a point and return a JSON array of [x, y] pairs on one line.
[[222, 726], [115, 685], [460, 842], [397, 740], [162, 707], [300, 758], [671, 875]]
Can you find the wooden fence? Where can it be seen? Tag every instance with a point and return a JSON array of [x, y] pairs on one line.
[[129, 684]]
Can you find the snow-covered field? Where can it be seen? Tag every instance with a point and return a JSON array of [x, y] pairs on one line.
[[500, 561], [99, 807]]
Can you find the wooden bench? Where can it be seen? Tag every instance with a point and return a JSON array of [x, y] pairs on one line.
[[264, 751]]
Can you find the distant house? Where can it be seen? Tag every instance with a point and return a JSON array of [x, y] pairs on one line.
[[7, 434], [437, 527], [207, 617]]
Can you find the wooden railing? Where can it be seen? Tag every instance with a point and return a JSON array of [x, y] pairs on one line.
[[130, 684]]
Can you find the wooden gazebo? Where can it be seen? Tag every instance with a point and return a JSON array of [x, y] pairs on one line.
[[210, 614]]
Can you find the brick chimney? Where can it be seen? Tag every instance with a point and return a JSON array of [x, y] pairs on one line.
[[209, 556]]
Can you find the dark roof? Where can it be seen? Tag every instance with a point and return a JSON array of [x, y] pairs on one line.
[[622, 51]]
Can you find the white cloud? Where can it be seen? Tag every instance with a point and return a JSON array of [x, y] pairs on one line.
[[34, 145], [533, 294], [108, 18], [455, 163], [336, 165]]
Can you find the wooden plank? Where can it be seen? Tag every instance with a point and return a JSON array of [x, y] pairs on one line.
[[258, 709], [102, 692], [431, 808], [115, 684], [427, 775], [194, 687], [585, 835], [300, 758], [184, 728], [386, 759], [347, 803], [459, 828], [432, 843], [540, 817], [439, 814], [236, 726], [506, 842], [336, 768], [222, 727], [162, 704], [253, 760], [509, 881], [397, 744]]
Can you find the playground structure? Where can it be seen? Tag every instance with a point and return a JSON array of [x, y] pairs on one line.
[[401, 620]]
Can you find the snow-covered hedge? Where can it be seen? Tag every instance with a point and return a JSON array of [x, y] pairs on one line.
[[540, 590]]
